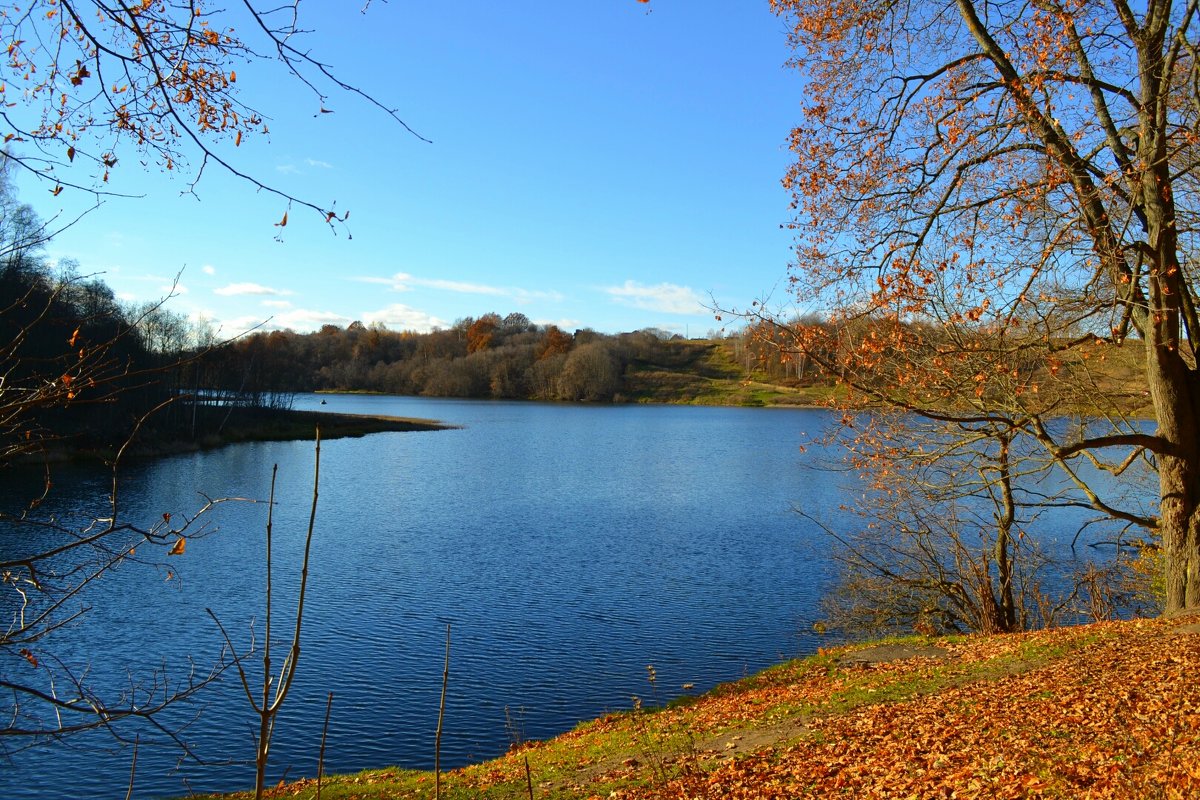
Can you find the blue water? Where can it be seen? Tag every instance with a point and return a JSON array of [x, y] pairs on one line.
[[567, 546]]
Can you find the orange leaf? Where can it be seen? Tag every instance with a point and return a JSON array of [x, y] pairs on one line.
[[283, 222], [29, 656], [177, 548], [56, 190], [70, 154]]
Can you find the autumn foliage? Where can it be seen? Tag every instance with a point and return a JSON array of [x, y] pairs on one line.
[[1117, 719], [989, 196]]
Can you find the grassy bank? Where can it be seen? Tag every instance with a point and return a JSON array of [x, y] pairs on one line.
[[708, 373], [1109, 710]]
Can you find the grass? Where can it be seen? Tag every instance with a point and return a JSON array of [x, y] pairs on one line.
[[1046, 714], [706, 373]]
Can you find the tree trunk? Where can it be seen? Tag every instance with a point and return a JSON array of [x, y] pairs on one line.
[[1004, 523], [1179, 528], [1172, 387]]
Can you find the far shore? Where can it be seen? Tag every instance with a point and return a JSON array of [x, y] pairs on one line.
[[277, 425], [245, 425]]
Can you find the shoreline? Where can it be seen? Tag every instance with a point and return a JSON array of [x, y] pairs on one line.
[[291, 425], [245, 425], [977, 706]]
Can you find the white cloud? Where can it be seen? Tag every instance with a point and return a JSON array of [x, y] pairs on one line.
[[304, 319], [209, 269], [404, 282], [568, 325], [277, 303], [404, 318], [301, 320], [291, 168], [235, 289], [528, 296], [666, 297]]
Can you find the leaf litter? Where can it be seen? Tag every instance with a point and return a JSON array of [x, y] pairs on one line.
[[1108, 710]]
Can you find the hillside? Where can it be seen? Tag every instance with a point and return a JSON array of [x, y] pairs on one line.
[[1109, 710], [708, 373]]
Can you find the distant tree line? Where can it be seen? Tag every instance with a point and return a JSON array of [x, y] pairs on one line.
[[491, 356]]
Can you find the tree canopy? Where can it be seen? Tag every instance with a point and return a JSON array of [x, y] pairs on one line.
[[1017, 184]]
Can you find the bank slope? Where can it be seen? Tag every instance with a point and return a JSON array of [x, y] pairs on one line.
[[1109, 710]]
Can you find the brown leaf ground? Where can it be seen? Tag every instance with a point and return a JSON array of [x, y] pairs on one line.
[[1119, 718], [1110, 710]]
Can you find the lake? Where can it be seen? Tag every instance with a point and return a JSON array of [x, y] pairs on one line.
[[568, 546]]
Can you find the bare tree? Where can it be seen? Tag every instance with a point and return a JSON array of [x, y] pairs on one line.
[[45, 589], [72, 366], [946, 538], [85, 80], [275, 690]]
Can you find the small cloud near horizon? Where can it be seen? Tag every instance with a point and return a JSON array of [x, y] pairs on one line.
[[400, 317], [237, 289], [209, 269], [404, 282], [668, 298], [300, 320], [568, 325]]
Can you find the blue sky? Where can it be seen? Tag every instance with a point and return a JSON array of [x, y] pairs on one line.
[[592, 165]]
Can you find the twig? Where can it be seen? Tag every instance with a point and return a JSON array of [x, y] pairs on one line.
[[133, 767], [321, 755], [437, 741]]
